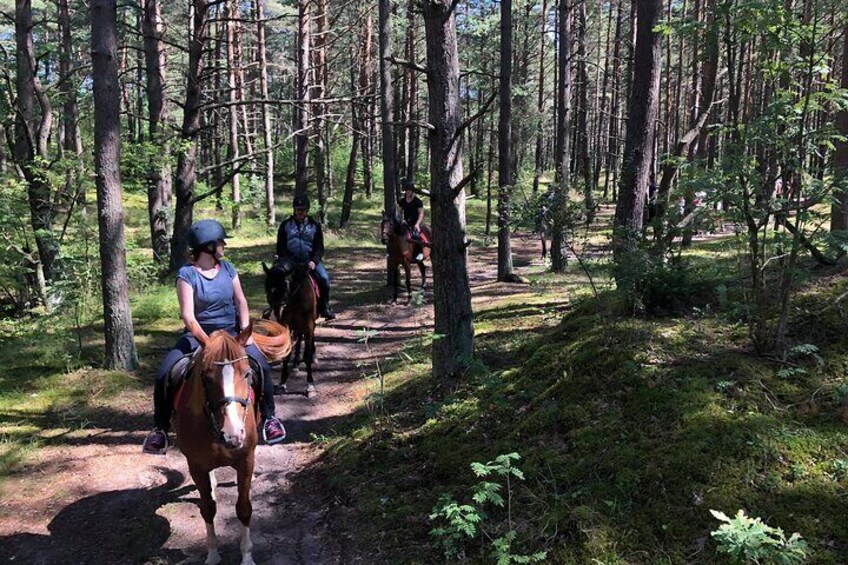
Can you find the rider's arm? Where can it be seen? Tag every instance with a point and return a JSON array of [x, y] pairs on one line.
[[282, 240], [241, 304], [317, 245], [185, 296], [420, 217]]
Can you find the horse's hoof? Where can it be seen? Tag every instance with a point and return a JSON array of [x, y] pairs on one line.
[[213, 558], [281, 389], [310, 388], [247, 560]]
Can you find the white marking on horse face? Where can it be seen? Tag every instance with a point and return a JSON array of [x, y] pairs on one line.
[[233, 427]]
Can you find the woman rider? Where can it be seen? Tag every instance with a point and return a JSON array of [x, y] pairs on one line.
[[210, 294]]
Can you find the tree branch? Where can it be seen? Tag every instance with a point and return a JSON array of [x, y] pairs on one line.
[[408, 64], [464, 182], [473, 118]]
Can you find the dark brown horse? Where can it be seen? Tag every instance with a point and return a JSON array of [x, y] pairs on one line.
[[293, 300], [216, 421], [393, 234]]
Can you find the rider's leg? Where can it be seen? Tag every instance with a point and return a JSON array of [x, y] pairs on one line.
[[157, 439], [324, 282], [272, 429]]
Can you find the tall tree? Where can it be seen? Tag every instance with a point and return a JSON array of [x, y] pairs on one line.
[[540, 98], [186, 176], [505, 269], [641, 125], [233, 152], [839, 209], [451, 291], [117, 318], [159, 170], [71, 139], [270, 215], [563, 139], [32, 135], [319, 54], [584, 163], [301, 121], [387, 102]]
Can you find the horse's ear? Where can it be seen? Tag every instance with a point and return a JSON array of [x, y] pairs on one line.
[[266, 269], [199, 334], [244, 335]]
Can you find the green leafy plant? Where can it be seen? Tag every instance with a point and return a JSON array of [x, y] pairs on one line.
[[750, 540], [459, 523]]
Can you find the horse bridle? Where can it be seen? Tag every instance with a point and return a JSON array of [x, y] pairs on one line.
[[212, 407]]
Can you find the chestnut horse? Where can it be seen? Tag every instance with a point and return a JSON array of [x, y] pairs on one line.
[[293, 300], [393, 233], [216, 420]]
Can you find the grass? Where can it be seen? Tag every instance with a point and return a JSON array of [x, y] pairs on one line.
[[630, 429]]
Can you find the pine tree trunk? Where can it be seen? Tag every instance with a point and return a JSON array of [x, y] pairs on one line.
[[563, 143], [117, 317], [451, 292], [584, 164], [540, 100], [186, 176], [412, 146], [641, 125], [301, 123], [71, 140], [612, 138], [32, 134], [320, 73], [366, 88], [270, 210], [159, 171], [839, 208], [233, 153], [390, 178], [505, 268], [350, 177]]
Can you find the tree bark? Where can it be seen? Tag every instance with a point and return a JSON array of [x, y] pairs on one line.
[[839, 209], [454, 328], [186, 177], [159, 170], [366, 87], [641, 125], [117, 317], [387, 101], [584, 163], [350, 177], [32, 134], [301, 122], [233, 153], [563, 142], [505, 268], [270, 211], [540, 100], [71, 140], [319, 52]]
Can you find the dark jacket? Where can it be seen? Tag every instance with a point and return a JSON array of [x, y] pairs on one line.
[[304, 242]]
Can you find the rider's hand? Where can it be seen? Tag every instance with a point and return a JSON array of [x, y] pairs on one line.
[[249, 341], [311, 265]]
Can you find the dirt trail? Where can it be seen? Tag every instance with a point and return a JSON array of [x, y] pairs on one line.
[[94, 498]]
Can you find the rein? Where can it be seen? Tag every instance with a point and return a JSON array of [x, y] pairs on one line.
[[212, 407]]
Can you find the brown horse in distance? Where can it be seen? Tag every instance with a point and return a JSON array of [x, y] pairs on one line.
[[293, 299], [216, 421], [401, 253]]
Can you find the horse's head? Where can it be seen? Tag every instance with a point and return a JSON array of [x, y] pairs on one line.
[[276, 286], [223, 368], [388, 226]]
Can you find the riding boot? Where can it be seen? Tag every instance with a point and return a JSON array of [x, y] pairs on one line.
[[324, 305], [162, 406]]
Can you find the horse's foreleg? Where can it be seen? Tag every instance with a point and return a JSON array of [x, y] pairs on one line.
[[395, 282], [423, 268], [407, 272], [244, 509], [308, 356], [203, 482]]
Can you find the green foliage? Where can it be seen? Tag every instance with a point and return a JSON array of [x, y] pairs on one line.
[[749, 540], [459, 524]]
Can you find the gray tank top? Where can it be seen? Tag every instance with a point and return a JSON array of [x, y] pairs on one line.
[[214, 304]]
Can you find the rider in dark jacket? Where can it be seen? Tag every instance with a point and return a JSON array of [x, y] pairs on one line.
[[300, 240]]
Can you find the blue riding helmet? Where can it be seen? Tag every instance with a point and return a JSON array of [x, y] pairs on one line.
[[205, 231]]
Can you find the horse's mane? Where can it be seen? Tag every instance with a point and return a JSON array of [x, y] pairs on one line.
[[221, 346]]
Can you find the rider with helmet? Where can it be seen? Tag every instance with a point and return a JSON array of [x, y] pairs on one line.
[[300, 240], [210, 294]]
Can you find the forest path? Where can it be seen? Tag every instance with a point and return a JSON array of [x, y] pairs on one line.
[[91, 496]]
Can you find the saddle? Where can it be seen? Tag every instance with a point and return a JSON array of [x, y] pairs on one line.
[[423, 235]]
